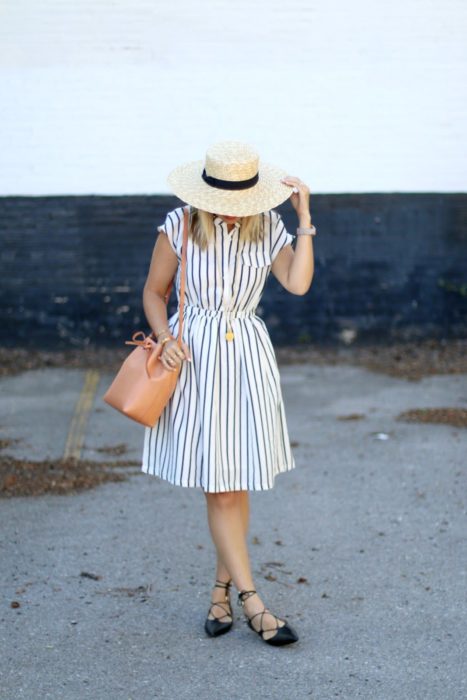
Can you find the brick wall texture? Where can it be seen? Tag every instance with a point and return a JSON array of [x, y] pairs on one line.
[[387, 267]]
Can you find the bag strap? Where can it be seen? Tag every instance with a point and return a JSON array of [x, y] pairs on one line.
[[182, 273]]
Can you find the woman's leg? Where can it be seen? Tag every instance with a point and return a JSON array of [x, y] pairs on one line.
[[228, 516], [222, 572]]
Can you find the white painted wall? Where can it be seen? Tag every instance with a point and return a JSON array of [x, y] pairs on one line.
[[106, 96]]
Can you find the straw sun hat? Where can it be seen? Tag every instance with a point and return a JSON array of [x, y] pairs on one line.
[[230, 181]]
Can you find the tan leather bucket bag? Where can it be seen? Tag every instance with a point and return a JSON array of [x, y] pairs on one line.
[[143, 386]]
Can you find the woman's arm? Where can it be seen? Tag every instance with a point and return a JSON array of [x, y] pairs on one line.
[[162, 269], [295, 268]]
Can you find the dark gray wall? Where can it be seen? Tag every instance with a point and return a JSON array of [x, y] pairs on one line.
[[387, 266]]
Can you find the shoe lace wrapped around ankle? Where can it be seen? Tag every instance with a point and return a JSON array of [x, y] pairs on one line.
[[227, 613], [244, 595]]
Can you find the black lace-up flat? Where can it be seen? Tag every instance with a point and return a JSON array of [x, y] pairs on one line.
[[215, 627], [284, 635]]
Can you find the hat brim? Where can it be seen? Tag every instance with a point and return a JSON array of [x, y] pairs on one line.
[[187, 183]]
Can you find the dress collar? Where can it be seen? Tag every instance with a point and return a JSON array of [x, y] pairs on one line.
[[219, 220]]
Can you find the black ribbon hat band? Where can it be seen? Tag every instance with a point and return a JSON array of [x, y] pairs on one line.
[[230, 184]]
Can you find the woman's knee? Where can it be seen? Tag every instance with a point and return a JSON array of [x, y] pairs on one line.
[[223, 499]]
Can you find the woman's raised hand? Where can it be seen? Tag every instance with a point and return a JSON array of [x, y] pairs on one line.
[[301, 199]]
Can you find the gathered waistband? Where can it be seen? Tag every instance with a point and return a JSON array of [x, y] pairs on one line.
[[240, 313]]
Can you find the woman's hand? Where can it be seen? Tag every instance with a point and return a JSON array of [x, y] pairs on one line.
[[172, 355], [300, 199]]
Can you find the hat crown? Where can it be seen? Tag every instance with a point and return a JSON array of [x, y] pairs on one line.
[[232, 160]]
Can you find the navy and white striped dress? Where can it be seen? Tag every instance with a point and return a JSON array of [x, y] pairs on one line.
[[224, 428]]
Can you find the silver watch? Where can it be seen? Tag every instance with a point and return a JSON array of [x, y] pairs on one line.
[[301, 231]]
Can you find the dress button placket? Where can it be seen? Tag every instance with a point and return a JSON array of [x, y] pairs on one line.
[[228, 285]]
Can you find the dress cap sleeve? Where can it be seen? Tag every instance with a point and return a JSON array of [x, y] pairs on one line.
[[280, 236], [173, 227]]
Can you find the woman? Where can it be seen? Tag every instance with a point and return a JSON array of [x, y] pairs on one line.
[[224, 428]]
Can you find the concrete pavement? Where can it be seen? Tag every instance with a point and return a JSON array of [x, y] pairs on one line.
[[362, 547]]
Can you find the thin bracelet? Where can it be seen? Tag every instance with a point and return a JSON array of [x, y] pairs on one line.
[[302, 231], [162, 334], [164, 330]]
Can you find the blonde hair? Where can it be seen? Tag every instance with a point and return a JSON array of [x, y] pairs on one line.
[[202, 227]]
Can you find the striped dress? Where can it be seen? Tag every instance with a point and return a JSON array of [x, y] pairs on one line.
[[224, 428]]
